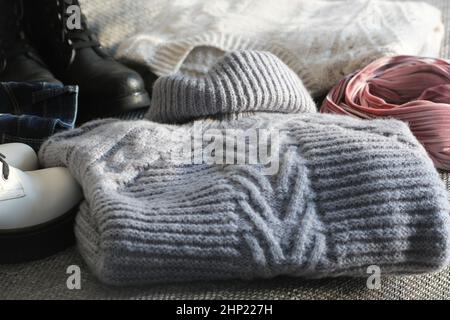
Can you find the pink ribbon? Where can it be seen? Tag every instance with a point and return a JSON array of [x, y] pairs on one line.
[[412, 89]]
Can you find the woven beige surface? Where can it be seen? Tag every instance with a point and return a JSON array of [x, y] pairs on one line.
[[46, 279]]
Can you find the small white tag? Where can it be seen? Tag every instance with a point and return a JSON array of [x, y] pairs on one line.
[[11, 188]]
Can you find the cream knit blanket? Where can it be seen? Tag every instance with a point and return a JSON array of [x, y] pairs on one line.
[[320, 40]]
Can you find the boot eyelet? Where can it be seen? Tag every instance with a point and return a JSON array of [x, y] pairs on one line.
[[3, 63], [72, 56]]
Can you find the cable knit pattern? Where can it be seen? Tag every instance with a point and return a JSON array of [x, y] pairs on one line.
[[320, 40], [244, 81], [348, 194]]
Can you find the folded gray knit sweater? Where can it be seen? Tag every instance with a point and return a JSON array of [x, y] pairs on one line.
[[345, 193]]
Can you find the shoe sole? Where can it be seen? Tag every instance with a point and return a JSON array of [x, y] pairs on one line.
[[38, 242], [94, 109]]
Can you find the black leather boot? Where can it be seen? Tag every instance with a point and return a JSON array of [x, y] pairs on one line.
[[107, 87], [19, 61]]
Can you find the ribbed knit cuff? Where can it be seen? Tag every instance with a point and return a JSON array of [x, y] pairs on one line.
[[378, 196], [241, 82]]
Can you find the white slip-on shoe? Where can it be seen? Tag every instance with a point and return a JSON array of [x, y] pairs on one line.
[[37, 211], [20, 156]]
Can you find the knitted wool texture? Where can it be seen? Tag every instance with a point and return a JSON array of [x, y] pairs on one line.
[[244, 82], [348, 193], [320, 40], [412, 89]]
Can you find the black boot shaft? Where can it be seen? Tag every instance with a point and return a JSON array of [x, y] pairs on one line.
[[12, 35], [11, 21], [60, 32], [19, 61]]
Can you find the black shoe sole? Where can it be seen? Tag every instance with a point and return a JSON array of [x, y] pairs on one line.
[[28, 244], [95, 109]]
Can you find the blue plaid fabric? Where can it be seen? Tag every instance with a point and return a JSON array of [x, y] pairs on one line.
[[32, 112]]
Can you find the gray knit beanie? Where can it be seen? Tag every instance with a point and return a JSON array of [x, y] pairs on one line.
[[240, 82], [348, 193]]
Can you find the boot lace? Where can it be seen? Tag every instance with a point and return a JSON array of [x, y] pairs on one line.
[[55, 11], [76, 38], [5, 167]]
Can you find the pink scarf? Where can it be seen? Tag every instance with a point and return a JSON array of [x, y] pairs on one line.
[[412, 89]]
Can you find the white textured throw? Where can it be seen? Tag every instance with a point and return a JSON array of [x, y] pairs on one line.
[[320, 40]]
